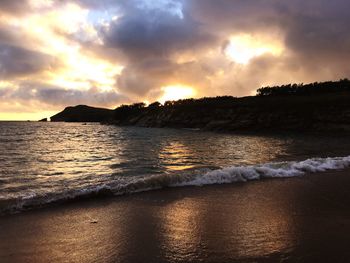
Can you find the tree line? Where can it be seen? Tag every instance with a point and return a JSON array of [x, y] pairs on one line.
[[129, 111], [305, 89]]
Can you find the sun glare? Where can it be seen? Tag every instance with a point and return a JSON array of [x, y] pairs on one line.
[[176, 92], [78, 70], [243, 48]]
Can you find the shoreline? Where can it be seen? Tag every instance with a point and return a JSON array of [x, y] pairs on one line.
[[304, 219], [272, 113], [219, 176]]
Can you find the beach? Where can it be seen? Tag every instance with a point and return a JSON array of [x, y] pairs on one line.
[[302, 219], [174, 131]]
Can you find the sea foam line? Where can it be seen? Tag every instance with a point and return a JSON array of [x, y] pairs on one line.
[[234, 174], [270, 170], [226, 175]]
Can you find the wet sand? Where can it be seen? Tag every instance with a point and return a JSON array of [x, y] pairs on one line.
[[283, 220]]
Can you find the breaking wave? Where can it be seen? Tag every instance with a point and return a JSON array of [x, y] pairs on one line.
[[202, 177]]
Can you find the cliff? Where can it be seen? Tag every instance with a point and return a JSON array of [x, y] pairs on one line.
[[321, 113]]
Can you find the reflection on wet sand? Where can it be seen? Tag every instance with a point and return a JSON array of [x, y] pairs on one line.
[[227, 228], [69, 237], [181, 228], [259, 231], [270, 221], [214, 224]]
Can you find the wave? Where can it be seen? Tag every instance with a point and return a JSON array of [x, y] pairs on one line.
[[202, 177]]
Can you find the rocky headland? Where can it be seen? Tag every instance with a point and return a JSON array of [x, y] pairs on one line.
[[83, 113], [297, 109]]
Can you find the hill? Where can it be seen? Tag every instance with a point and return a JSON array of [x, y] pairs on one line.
[[83, 113], [309, 109]]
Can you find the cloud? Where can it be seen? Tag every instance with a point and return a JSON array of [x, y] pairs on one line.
[[155, 31], [94, 97], [319, 31], [153, 41], [315, 33], [16, 61], [111, 52], [10, 6], [52, 97]]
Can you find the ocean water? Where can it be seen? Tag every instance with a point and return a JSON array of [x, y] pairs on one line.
[[43, 163]]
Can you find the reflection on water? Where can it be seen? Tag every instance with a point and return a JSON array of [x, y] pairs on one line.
[[54, 161], [176, 156], [222, 225]]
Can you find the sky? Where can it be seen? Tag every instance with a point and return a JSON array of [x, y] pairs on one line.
[[104, 53]]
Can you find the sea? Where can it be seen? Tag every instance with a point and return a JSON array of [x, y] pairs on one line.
[[47, 163]]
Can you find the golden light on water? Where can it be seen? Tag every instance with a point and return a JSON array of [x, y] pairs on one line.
[[177, 92], [175, 156], [243, 48]]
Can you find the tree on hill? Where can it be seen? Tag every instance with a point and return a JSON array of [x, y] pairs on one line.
[[125, 111], [306, 89]]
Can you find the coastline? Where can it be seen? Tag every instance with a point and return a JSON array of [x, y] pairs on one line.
[[303, 219], [322, 113]]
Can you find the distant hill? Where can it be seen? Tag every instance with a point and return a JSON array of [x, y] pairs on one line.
[[83, 113]]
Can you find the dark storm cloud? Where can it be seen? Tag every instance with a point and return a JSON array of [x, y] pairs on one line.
[[16, 61], [234, 16], [322, 31], [318, 35], [145, 33]]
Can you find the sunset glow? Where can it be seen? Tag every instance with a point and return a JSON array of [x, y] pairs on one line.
[[177, 92], [174, 131], [242, 48], [55, 54]]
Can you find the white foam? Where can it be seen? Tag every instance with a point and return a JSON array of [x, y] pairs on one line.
[[228, 175], [270, 170]]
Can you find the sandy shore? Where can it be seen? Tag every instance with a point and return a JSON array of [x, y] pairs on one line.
[[284, 220]]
